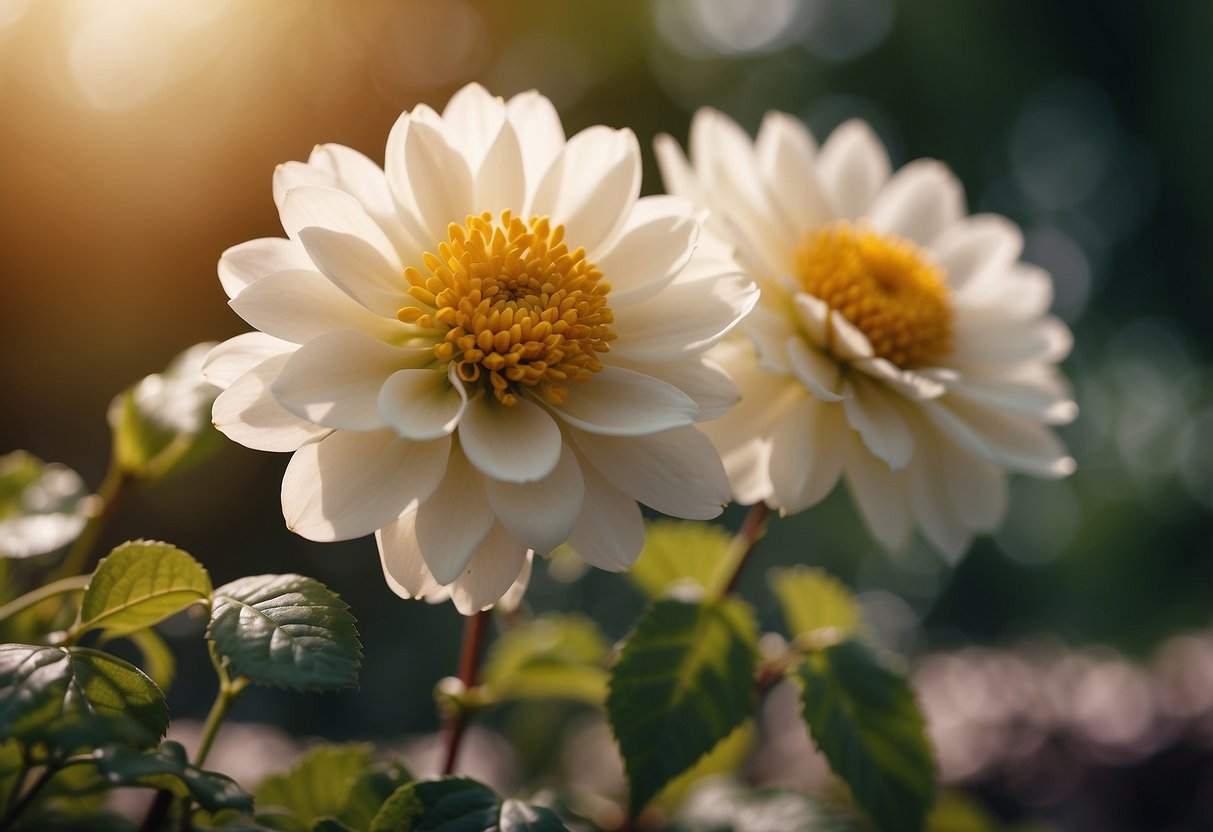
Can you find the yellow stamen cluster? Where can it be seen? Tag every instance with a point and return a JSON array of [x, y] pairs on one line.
[[513, 304], [884, 286]]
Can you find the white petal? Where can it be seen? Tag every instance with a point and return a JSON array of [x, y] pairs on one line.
[[1017, 292], [357, 268], [422, 403], [1028, 400], [654, 244], [471, 120], [686, 317], [946, 530], [403, 567], [976, 489], [241, 265], [541, 514], [350, 484], [512, 599], [770, 329], [814, 314], [518, 443], [334, 379], [976, 243], [677, 472], [846, 340], [676, 171], [300, 305], [852, 167], [438, 179], [879, 494], [591, 186], [786, 153], [808, 449], [707, 383], [817, 372], [1005, 440], [883, 428], [911, 384], [619, 402], [310, 206], [749, 468], [500, 184], [454, 520], [494, 567], [610, 532], [922, 200], [539, 132], [233, 358], [247, 412], [1010, 342]]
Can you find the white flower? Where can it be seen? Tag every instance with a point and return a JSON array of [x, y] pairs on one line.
[[488, 348], [898, 343]]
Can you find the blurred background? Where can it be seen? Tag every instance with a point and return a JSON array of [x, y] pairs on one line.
[[1066, 662]]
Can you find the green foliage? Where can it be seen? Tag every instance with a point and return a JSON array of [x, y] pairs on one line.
[[554, 656], [813, 600], [139, 584], [158, 660], [684, 681], [163, 423], [460, 805], [285, 630], [865, 720], [42, 506], [166, 767], [337, 783], [11, 769], [679, 552], [66, 697]]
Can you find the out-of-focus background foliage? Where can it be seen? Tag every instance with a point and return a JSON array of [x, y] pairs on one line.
[[1067, 662]]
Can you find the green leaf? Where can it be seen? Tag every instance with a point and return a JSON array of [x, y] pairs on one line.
[[554, 656], [864, 718], [42, 506], [678, 552], [456, 804], [66, 697], [167, 767], [320, 785], [158, 660], [11, 769], [163, 423], [139, 584], [684, 681], [285, 630], [813, 600]]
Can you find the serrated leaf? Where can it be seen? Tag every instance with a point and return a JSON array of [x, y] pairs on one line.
[[285, 630], [66, 697], [864, 718], [141, 583], [457, 804], [813, 600], [678, 552], [554, 656], [42, 506], [163, 423], [684, 681], [158, 660], [319, 785], [167, 767]]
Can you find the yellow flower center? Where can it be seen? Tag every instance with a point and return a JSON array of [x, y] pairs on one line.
[[884, 286], [513, 305]]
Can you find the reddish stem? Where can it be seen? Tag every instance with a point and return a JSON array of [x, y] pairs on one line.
[[474, 630], [752, 530]]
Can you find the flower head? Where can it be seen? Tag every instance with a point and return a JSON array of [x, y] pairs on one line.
[[485, 349], [899, 343]]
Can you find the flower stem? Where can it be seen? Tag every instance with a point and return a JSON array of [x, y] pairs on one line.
[[116, 483], [752, 530], [229, 691], [76, 583], [53, 767], [474, 630]]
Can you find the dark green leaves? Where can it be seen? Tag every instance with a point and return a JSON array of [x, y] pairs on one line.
[[65, 697], [678, 552], [457, 804], [42, 506], [684, 681], [285, 630], [864, 719], [139, 584], [167, 768], [812, 600], [555, 656], [333, 782]]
